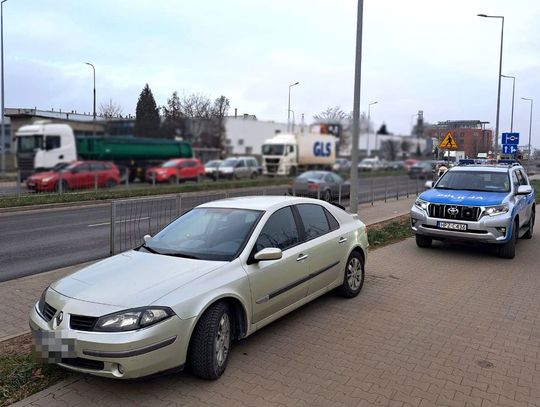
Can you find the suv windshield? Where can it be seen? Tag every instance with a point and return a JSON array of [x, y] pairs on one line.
[[206, 234], [273, 149], [27, 144], [484, 181]]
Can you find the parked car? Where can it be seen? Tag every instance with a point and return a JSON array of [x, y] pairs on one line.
[[421, 170], [369, 164], [239, 167], [477, 203], [323, 184], [218, 273], [173, 171], [77, 175], [341, 165], [211, 167], [396, 165], [408, 163]]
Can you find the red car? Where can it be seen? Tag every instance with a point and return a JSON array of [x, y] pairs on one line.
[[78, 174], [175, 170]]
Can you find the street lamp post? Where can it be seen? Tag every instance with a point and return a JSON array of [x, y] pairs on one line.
[[356, 110], [499, 86], [94, 121], [530, 124], [368, 131], [289, 107], [3, 141], [513, 93]]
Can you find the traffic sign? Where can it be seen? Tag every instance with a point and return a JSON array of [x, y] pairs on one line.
[[509, 149], [510, 138], [448, 142]]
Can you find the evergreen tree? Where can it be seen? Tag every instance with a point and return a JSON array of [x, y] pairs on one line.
[[174, 123], [147, 120]]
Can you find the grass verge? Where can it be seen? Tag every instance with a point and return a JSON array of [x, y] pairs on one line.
[[536, 185], [135, 191], [385, 233], [20, 375]]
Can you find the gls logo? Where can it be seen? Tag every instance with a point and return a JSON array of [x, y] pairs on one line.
[[321, 149]]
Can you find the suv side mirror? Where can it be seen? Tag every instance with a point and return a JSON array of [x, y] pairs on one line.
[[428, 184], [147, 238], [269, 253], [524, 190]]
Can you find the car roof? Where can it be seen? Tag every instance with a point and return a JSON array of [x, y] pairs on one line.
[[261, 203], [484, 167]]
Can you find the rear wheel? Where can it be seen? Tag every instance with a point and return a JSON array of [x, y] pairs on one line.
[[173, 180], [327, 196], [110, 183], [353, 279], [211, 342], [528, 234], [508, 250], [423, 241]]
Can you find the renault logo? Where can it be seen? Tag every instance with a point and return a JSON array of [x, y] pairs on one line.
[[453, 211], [59, 318]]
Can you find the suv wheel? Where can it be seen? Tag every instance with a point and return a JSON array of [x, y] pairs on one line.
[[508, 250], [423, 241], [528, 234]]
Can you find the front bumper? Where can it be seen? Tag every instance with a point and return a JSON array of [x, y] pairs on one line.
[[124, 355], [495, 229]]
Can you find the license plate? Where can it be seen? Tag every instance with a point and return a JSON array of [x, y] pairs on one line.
[[452, 226]]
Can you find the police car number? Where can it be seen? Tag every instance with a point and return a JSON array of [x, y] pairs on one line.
[[452, 226]]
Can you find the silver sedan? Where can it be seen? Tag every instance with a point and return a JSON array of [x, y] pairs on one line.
[[216, 274]]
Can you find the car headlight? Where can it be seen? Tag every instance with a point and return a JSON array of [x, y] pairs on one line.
[[41, 303], [133, 319], [46, 179], [496, 210], [421, 204]]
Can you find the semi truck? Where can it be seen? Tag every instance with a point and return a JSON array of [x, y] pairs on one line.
[[289, 154], [42, 146]]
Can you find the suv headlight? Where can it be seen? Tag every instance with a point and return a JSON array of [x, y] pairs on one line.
[[421, 204], [133, 319], [496, 210]]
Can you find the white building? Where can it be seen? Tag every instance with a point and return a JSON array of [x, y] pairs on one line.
[[246, 135]]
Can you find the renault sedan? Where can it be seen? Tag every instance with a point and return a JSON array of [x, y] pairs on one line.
[[216, 274]]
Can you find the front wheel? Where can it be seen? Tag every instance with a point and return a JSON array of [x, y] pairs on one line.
[[353, 279], [110, 183], [508, 250], [211, 342], [528, 234], [423, 241]]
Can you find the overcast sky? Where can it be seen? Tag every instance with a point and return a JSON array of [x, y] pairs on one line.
[[430, 55]]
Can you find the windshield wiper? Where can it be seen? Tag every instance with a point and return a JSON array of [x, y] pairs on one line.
[[184, 255], [144, 246]]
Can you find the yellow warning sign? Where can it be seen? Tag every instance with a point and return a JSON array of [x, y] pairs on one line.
[[448, 142]]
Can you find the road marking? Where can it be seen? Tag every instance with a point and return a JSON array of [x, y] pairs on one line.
[[118, 221]]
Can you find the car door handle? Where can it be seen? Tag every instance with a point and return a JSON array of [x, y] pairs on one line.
[[301, 257], [342, 240]]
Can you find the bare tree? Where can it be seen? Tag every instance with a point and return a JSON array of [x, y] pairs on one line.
[[332, 115], [390, 149], [405, 146], [110, 110]]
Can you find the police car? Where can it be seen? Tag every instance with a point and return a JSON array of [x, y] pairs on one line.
[[487, 204]]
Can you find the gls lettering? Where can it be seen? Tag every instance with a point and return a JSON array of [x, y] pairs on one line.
[[321, 149]]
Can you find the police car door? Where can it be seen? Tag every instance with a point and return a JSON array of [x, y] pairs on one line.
[[520, 200]]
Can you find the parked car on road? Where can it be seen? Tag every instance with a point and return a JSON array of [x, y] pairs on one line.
[[341, 165], [408, 163], [239, 167], [422, 170], [475, 203], [176, 170], [211, 167], [218, 273], [77, 175], [323, 184]]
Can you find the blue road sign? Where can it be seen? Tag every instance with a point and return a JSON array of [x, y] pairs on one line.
[[509, 149], [510, 138]]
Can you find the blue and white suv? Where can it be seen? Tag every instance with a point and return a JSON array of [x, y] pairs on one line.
[[488, 204]]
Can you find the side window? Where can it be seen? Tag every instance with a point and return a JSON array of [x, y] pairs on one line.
[[314, 220], [52, 142], [241, 164], [515, 180], [522, 178], [334, 224], [96, 167], [279, 231], [83, 168], [337, 178], [329, 178]]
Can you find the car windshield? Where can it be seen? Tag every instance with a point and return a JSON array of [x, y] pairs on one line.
[[484, 181], [229, 162], [169, 164], [59, 167], [311, 175], [27, 144], [273, 149], [206, 233]]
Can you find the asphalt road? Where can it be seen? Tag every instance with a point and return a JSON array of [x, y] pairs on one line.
[[33, 242]]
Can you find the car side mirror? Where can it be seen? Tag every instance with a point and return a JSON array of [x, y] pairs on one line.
[[428, 184], [524, 190], [269, 253], [147, 238]]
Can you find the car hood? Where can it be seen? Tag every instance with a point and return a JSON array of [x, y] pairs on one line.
[[133, 278], [42, 175], [461, 197]]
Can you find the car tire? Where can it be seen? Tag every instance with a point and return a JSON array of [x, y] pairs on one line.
[[234, 177], [211, 342], [254, 175], [423, 241], [110, 183], [508, 250], [353, 277], [173, 180], [327, 196], [529, 233]]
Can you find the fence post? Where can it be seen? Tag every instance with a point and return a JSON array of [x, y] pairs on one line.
[[61, 182], [372, 192], [178, 205], [95, 182], [416, 187], [339, 194], [318, 193], [127, 177], [385, 189], [154, 179], [397, 190], [113, 222], [18, 182], [407, 187]]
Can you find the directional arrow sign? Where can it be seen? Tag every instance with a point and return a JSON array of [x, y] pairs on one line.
[[509, 149], [510, 138], [448, 142]]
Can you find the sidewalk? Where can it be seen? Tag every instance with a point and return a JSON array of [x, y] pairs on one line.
[[19, 295]]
